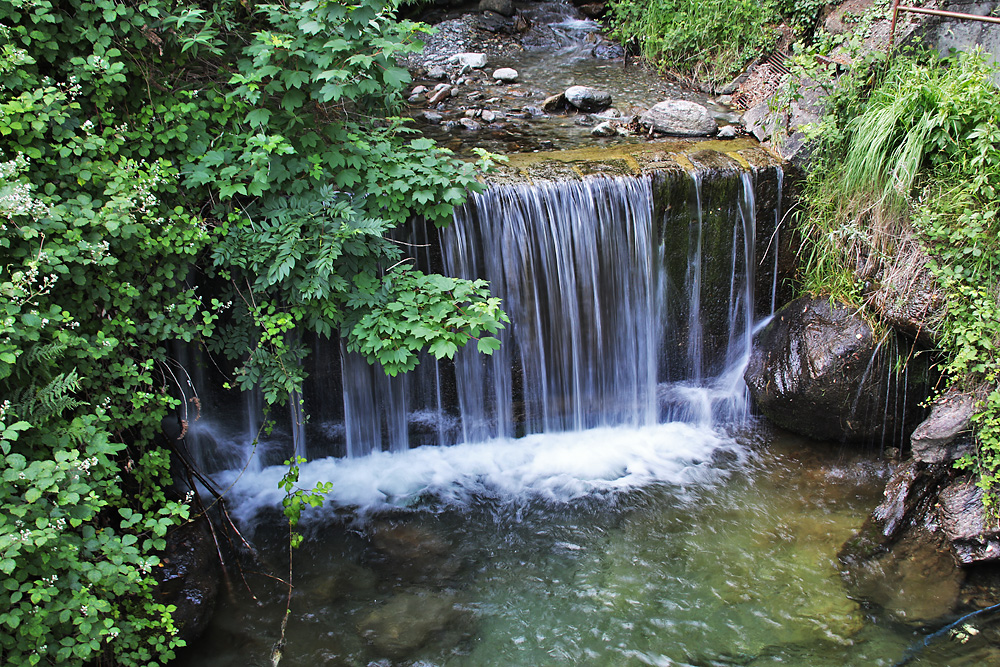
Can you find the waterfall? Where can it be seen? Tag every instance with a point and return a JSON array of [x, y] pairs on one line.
[[632, 303]]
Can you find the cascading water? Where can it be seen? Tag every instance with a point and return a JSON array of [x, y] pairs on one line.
[[632, 304]]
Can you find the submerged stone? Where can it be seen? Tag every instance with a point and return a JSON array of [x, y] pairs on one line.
[[409, 621]]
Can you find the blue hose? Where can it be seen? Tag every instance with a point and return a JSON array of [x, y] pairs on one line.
[[912, 652]]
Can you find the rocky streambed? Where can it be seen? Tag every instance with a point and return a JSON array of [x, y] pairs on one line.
[[545, 78]]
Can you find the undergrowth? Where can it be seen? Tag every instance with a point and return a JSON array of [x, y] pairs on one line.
[[907, 169]]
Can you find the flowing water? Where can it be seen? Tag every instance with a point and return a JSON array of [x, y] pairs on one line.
[[595, 493]]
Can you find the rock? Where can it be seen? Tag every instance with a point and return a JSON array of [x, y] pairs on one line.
[[440, 93], [584, 120], [680, 117], [436, 73], [724, 100], [608, 51], [900, 558], [587, 99], [470, 124], [473, 113], [936, 439], [415, 99], [727, 132], [554, 103], [409, 621], [419, 90], [469, 60], [604, 129], [488, 116], [609, 114], [505, 74], [973, 537], [819, 370], [593, 10], [502, 7], [189, 578], [433, 117]]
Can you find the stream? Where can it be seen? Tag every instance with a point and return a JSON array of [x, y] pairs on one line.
[[644, 518]]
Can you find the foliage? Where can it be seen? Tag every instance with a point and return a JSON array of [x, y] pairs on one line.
[[711, 40], [217, 172], [910, 148]]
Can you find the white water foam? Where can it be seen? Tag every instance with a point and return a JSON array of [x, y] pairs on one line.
[[556, 467]]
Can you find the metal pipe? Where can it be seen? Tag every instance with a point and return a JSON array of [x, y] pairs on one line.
[[951, 15], [892, 28]]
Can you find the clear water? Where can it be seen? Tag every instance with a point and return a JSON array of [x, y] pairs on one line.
[[720, 553]]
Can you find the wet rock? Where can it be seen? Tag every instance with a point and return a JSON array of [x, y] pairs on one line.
[[415, 99], [974, 538], [604, 129], [608, 51], [680, 118], [819, 370], [488, 116], [727, 132], [436, 73], [502, 7], [470, 124], [593, 10], [584, 120], [505, 74], [433, 117], [936, 439], [189, 578], [554, 103], [587, 99], [469, 60], [440, 93], [419, 90]]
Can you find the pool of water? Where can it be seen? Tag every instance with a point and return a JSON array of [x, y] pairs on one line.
[[724, 553]]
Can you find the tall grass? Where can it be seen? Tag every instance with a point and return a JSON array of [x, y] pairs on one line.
[[710, 40]]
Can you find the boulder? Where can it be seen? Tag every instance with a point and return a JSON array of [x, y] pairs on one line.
[[470, 60], [936, 439], [587, 99], [505, 74], [502, 7], [819, 370], [680, 117]]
